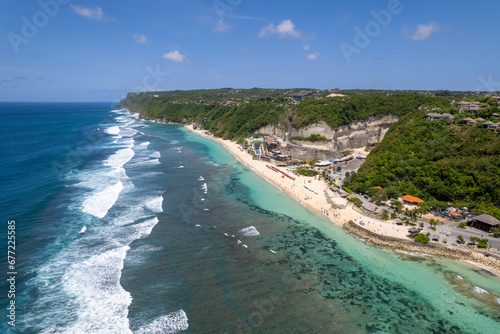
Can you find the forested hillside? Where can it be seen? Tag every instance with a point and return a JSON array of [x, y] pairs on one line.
[[436, 161], [236, 114], [344, 110], [433, 160]]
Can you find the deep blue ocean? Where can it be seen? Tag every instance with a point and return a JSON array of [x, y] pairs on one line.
[[126, 226]]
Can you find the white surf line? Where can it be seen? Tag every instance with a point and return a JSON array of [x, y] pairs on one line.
[[484, 268]]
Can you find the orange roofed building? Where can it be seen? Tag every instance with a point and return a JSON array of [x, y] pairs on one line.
[[411, 199]]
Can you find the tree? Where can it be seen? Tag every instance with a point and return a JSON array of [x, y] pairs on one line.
[[496, 232], [422, 238], [461, 239], [356, 201], [396, 205], [307, 172], [483, 243]]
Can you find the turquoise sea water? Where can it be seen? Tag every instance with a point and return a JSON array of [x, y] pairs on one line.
[[164, 248]]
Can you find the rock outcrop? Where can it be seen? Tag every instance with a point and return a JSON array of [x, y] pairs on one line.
[[273, 130], [478, 257], [355, 135]]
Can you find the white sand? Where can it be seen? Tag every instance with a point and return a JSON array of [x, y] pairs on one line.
[[315, 200]]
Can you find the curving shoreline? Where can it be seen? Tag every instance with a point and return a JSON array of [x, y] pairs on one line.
[[377, 233]]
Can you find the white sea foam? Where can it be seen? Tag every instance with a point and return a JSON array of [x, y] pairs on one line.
[[147, 161], [83, 230], [143, 145], [245, 246], [480, 291], [154, 203], [197, 225], [180, 167], [201, 178], [99, 203], [460, 277], [142, 230], [204, 187], [120, 157], [155, 154], [250, 231], [147, 248], [168, 324], [113, 130], [274, 252], [122, 119], [94, 285]]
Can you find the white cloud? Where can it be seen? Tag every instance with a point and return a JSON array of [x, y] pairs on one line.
[[267, 30], [312, 56], [140, 38], [174, 56], [307, 47], [425, 31], [92, 14], [221, 26], [285, 29]]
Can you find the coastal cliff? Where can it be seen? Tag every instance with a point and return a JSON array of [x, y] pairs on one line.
[[357, 134], [368, 132]]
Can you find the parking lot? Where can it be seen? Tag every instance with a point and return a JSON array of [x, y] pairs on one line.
[[349, 166]]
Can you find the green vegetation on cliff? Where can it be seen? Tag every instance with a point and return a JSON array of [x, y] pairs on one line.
[[234, 114], [341, 111], [435, 161]]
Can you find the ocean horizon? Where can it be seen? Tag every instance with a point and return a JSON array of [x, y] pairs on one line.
[[128, 226]]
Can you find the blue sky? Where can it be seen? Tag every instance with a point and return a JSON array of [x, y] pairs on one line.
[[60, 50]]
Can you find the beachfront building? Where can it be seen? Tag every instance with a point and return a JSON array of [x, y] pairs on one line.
[[271, 143], [408, 199], [485, 222], [413, 231], [322, 165]]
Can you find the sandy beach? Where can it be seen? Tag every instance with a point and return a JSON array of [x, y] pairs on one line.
[[314, 196]]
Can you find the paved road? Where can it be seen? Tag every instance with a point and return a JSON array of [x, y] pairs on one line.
[[454, 232]]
